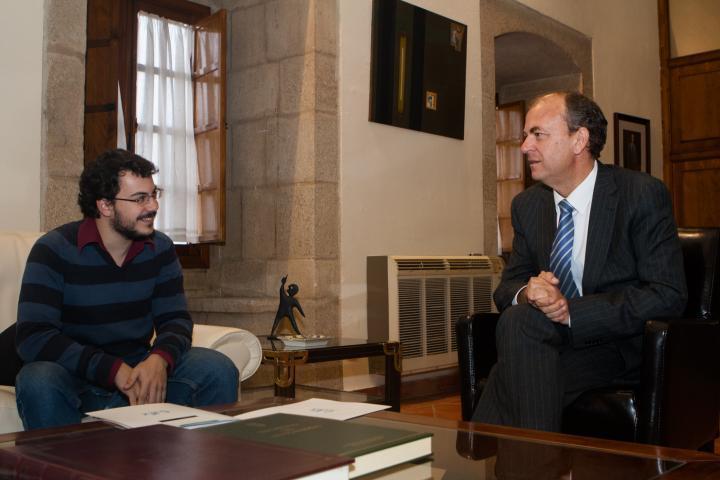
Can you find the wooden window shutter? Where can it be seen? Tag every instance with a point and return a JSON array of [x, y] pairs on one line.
[[209, 84], [104, 31], [111, 37]]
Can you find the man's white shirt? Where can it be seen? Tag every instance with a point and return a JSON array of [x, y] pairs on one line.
[[581, 201]]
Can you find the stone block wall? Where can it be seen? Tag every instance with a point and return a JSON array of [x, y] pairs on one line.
[[282, 199], [62, 104], [282, 202], [527, 91]]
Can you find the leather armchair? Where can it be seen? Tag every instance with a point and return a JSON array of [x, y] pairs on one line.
[[241, 346], [676, 400]]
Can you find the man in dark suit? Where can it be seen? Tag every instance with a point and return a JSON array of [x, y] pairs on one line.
[[574, 304]]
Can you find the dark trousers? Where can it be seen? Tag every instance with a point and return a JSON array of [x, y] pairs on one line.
[[538, 371]]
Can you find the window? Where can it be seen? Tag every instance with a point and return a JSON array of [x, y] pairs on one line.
[[164, 120], [512, 174], [116, 60]]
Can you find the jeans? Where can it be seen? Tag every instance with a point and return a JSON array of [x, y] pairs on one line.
[[48, 395]]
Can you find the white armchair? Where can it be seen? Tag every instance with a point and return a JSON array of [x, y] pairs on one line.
[[241, 346]]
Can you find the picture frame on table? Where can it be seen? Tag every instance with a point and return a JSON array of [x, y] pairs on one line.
[[632, 142]]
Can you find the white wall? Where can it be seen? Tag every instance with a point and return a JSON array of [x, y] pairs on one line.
[[406, 192], [21, 35], [402, 192], [626, 59], [694, 26]]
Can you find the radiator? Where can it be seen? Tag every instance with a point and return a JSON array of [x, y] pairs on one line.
[[417, 300]]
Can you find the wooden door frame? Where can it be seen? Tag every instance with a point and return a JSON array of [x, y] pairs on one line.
[[679, 157], [664, 40]]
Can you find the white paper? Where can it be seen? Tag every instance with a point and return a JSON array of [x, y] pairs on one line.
[[318, 407], [161, 414]]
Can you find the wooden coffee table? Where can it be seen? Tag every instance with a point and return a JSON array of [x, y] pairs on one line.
[[285, 360]]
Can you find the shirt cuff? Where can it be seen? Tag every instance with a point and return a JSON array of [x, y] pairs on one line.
[[515, 302], [113, 371]]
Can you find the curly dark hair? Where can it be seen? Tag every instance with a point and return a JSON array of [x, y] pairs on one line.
[[583, 112], [100, 179]]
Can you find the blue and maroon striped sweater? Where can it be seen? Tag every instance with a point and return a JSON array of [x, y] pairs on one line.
[[79, 309]]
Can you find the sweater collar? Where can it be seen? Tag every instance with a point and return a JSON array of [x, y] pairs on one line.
[[89, 233]]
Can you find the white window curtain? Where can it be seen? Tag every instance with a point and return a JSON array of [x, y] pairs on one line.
[[121, 138], [165, 120]]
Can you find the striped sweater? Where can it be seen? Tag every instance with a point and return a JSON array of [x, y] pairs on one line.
[[81, 310]]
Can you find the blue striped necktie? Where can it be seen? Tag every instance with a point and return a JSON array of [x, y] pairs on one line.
[[561, 253]]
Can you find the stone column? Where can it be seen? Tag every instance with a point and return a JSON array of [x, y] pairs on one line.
[[282, 202], [62, 104]]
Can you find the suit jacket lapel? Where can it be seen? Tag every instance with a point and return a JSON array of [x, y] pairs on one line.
[[547, 223], [602, 219]]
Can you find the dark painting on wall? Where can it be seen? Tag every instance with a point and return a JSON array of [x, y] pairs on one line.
[[418, 69]]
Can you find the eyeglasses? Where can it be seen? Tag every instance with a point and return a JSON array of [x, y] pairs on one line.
[[143, 199]]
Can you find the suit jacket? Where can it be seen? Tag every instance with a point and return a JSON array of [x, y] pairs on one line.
[[633, 264]]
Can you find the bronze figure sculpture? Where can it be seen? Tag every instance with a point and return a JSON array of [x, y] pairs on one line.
[[285, 308]]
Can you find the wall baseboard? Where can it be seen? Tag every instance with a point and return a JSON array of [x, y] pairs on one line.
[[422, 386]]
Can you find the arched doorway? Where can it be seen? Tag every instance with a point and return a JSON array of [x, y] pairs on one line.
[[535, 52], [526, 65]]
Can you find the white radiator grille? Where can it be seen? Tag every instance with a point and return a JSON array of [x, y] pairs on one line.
[[482, 294], [410, 336], [423, 298], [421, 264], [459, 303], [469, 263], [436, 316]]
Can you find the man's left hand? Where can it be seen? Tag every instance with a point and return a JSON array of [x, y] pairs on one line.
[[151, 375]]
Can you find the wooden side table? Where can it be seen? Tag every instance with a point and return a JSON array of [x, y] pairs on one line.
[[285, 359]]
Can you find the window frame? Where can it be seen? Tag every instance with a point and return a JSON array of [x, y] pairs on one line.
[[112, 26]]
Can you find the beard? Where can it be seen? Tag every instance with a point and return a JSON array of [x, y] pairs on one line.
[[127, 229]]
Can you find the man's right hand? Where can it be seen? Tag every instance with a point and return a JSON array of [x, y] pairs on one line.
[[121, 378], [540, 290], [543, 293]]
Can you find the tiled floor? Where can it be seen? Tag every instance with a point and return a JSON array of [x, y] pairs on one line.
[[449, 408]]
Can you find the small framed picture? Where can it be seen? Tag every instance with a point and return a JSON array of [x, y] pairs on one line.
[[431, 100], [632, 142], [457, 32]]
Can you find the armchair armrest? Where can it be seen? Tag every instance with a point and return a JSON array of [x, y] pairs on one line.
[[679, 383], [475, 446], [476, 356], [241, 346]]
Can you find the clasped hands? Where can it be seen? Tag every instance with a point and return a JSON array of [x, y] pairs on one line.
[[146, 383], [543, 293]]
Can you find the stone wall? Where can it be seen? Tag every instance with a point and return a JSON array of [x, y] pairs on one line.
[[62, 104], [282, 199], [526, 91]]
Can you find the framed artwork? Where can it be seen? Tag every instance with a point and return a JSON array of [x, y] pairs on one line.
[[418, 64], [632, 142]]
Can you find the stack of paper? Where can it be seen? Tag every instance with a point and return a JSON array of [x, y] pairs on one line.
[[318, 407], [160, 414]]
